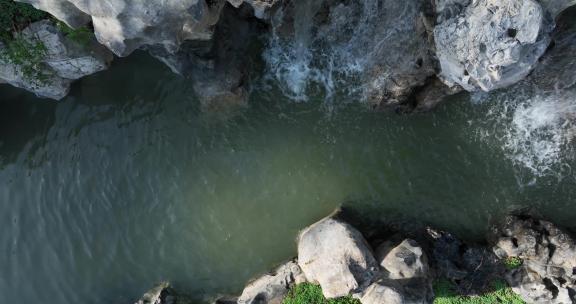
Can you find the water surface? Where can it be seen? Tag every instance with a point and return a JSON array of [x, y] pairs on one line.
[[126, 183]]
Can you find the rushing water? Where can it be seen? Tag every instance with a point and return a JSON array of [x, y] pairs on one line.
[[125, 183]]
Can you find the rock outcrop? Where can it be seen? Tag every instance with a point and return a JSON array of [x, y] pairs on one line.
[[61, 61], [124, 26], [548, 273], [491, 44], [272, 288], [336, 256]]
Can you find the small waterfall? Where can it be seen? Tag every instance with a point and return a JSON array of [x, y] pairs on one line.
[[330, 47]]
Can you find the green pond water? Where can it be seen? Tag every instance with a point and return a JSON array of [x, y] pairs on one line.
[[126, 183]]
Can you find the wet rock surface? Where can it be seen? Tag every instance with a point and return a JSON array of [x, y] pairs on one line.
[[549, 259]]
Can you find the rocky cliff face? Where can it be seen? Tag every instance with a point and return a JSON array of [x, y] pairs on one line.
[[388, 53]]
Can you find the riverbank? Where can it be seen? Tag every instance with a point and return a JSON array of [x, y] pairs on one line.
[[524, 260]]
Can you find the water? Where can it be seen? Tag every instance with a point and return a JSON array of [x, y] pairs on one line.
[[126, 183]]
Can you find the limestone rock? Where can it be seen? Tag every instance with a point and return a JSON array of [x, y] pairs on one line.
[[549, 256], [272, 288], [64, 61], [406, 260], [336, 256], [125, 25], [492, 43]]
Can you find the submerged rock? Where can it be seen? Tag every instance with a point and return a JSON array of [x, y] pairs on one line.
[[61, 61], [548, 273], [492, 43], [336, 256], [272, 288]]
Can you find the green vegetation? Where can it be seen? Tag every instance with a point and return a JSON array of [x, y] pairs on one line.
[[15, 16], [513, 262], [499, 293], [307, 293], [17, 50], [82, 35]]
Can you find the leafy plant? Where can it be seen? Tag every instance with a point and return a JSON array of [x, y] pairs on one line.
[[499, 293], [513, 262], [307, 293]]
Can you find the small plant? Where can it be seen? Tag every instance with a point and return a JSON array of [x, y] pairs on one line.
[[307, 293], [499, 293], [513, 262]]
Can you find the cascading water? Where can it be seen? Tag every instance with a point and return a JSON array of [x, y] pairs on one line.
[[534, 129], [342, 49]]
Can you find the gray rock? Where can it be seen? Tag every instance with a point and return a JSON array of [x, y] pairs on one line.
[[154, 295], [272, 288], [382, 293], [64, 61], [336, 256], [549, 259], [406, 260], [492, 43], [124, 25], [406, 277], [412, 291]]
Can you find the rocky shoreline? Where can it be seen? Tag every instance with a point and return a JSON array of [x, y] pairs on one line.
[[410, 54], [535, 258]]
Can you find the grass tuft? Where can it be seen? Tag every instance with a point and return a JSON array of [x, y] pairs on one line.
[[513, 262], [500, 293], [307, 293]]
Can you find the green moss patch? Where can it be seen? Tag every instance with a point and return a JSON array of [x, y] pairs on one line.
[[307, 293], [499, 293]]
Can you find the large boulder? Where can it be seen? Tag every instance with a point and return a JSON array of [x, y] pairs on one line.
[[60, 61], [272, 288], [549, 259], [335, 255], [491, 44]]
